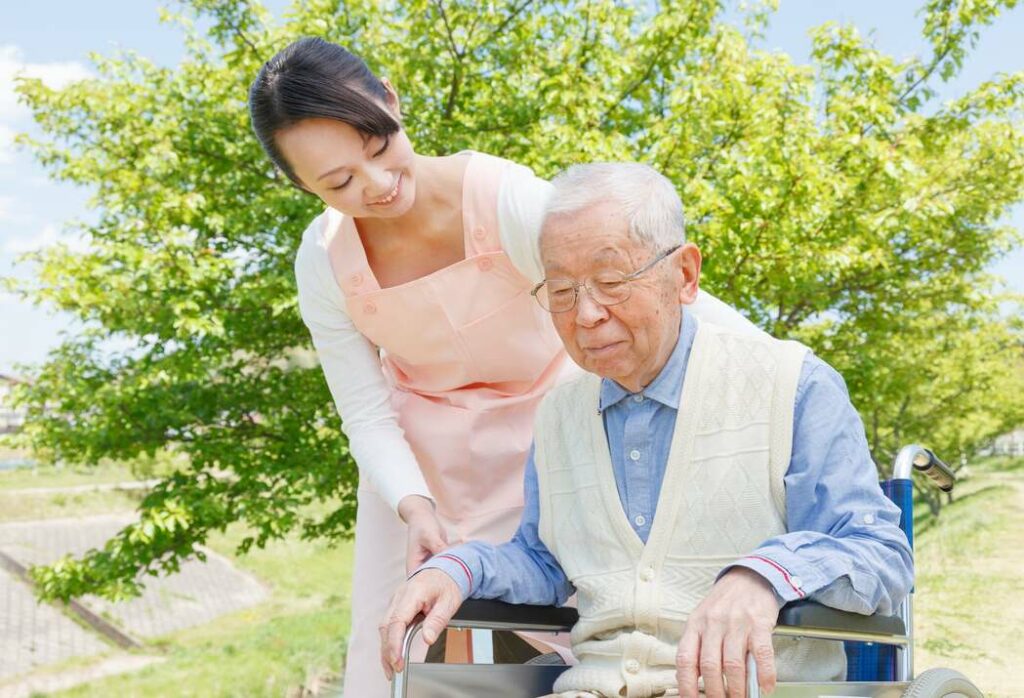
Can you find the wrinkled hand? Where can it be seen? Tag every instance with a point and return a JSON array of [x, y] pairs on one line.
[[426, 534], [431, 592], [735, 619]]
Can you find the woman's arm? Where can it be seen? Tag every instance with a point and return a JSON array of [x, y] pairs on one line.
[[352, 368]]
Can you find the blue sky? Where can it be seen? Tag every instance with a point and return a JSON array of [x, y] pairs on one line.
[[52, 41]]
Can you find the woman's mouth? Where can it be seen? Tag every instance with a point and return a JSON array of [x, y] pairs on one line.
[[392, 195]]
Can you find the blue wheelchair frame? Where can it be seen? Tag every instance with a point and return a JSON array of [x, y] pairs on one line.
[[880, 652]]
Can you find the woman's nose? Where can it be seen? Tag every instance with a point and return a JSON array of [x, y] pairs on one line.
[[380, 182]]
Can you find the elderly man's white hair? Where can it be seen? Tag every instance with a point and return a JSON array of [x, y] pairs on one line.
[[646, 198]]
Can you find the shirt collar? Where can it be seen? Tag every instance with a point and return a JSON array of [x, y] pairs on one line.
[[667, 385]]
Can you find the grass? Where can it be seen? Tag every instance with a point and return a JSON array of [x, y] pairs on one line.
[[968, 605], [969, 589], [272, 649], [74, 475], [29, 507], [65, 476]]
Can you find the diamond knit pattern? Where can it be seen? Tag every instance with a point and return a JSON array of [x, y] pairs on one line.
[[738, 384]]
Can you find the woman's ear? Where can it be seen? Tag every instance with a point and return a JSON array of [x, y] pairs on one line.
[[392, 98]]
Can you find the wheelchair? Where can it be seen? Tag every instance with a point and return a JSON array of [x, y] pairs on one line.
[[879, 649]]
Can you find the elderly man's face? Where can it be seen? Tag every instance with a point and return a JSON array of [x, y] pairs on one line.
[[629, 342]]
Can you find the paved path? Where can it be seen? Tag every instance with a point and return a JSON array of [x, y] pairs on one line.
[[46, 683], [33, 635]]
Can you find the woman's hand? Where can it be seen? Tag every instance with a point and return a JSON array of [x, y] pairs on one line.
[[426, 534]]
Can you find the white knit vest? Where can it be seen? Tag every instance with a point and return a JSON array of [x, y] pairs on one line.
[[723, 494]]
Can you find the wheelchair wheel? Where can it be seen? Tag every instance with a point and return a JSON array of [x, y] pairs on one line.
[[937, 683]]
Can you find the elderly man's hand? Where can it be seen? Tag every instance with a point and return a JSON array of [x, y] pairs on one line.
[[431, 592], [735, 619]]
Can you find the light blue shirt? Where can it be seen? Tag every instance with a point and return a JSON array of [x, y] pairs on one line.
[[843, 547]]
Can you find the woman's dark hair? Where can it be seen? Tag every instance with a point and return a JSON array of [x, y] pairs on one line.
[[312, 78]]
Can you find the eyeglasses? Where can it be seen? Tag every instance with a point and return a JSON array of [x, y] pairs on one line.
[[605, 288]]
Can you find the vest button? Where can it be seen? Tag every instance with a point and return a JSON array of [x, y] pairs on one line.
[[632, 666], [648, 574], [370, 308]]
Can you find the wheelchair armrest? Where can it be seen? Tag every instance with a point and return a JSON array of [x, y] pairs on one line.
[[808, 614], [498, 615]]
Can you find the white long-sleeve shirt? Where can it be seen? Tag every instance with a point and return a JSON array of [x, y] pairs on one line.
[[351, 363]]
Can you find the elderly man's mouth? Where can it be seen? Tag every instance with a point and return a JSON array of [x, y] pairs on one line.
[[603, 349]]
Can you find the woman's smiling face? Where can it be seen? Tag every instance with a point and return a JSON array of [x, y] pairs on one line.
[[359, 175]]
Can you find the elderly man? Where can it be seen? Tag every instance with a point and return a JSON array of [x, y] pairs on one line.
[[692, 481]]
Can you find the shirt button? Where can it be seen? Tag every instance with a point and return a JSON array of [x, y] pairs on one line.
[[647, 574], [869, 519], [632, 666], [370, 308], [485, 264], [356, 279], [480, 233], [640, 520], [634, 454], [638, 398]]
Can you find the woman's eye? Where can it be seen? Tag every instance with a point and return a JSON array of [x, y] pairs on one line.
[[387, 142], [342, 185]]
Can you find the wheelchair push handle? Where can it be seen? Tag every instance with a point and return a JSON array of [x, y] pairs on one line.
[[924, 461]]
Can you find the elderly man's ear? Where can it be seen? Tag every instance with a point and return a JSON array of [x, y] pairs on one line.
[[688, 263]]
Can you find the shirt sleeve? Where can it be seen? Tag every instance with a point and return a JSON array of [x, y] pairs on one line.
[[522, 197], [844, 547], [522, 571], [352, 368]]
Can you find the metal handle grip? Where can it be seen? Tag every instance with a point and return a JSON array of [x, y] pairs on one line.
[[922, 460]]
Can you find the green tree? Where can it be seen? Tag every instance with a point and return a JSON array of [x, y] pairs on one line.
[[839, 204]]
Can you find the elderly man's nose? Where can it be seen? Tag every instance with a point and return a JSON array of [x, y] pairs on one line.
[[588, 311]]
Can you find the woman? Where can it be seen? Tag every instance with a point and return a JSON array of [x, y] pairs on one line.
[[414, 284]]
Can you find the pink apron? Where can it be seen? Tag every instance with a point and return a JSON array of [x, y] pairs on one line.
[[468, 354]]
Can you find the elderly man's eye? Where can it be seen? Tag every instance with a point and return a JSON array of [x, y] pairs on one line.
[[609, 285]]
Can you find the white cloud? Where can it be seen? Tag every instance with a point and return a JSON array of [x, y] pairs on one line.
[[48, 236], [6, 144], [13, 115], [13, 65], [12, 212]]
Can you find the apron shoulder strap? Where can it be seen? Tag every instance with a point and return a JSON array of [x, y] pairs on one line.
[[480, 203]]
